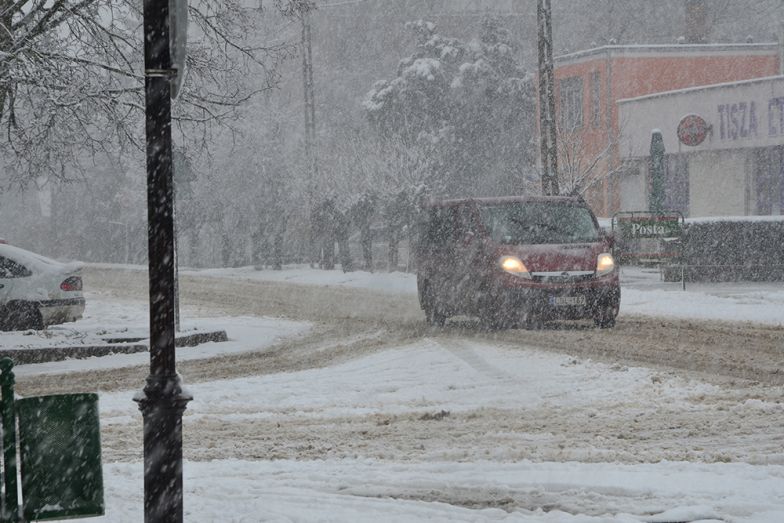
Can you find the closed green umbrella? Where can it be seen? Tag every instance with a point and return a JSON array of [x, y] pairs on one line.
[[656, 167]]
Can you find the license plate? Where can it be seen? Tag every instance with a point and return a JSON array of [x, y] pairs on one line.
[[567, 301]]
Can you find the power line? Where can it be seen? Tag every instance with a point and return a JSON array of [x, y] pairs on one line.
[[463, 14], [339, 4]]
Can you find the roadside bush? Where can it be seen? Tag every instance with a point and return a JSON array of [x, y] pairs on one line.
[[734, 250]]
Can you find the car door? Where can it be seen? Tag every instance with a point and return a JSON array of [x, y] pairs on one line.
[[467, 254], [439, 252]]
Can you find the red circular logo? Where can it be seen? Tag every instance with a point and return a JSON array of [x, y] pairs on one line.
[[692, 130]]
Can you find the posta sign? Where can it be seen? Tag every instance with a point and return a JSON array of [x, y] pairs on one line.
[[650, 225], [692, 130]]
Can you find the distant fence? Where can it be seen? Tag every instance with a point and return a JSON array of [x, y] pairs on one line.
[[731, 249], [720, 249]]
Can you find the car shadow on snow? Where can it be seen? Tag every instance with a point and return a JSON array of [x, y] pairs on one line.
[[473, 325]]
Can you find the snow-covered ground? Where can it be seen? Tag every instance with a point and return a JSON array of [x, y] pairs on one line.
[[381, 491], [402, 431], [395, 282], [643, 292], [448, 482]]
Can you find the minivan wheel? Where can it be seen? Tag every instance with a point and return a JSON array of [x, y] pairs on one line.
[[435, 317], [433, 313], [493, 320], [605, 319]]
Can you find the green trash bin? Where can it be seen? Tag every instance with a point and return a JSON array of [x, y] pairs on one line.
[[60, 456]]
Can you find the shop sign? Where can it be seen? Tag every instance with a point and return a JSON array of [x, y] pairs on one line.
[[737, 120], [661, 226], [741, 120], [692, 130]]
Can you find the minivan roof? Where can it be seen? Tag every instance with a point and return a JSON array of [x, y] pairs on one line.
[[507, 199]]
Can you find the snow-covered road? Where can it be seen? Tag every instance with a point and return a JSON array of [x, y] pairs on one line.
[[355, 411]]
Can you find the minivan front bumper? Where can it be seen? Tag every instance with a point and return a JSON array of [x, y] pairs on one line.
[[548, 301]]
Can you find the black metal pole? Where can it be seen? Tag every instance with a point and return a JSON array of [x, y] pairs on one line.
[[163, 400], [10, 508]]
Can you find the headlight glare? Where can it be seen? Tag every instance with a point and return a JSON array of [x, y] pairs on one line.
[[605, 264], [514, 265]]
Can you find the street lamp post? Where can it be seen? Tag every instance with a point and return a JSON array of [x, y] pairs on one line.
[[162, 401]]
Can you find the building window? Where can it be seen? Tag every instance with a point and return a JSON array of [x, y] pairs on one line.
[[596, 99], [571, 103]]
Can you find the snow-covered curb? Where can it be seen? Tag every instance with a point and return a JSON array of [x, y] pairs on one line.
[[114, 318]]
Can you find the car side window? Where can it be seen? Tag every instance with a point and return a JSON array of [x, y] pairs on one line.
[[11, 269], [467, 220], [441, 226]]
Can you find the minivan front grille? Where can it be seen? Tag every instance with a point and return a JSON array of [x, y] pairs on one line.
[[562, 277]]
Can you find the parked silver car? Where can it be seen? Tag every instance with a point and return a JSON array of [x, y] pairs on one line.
[[36, 291]]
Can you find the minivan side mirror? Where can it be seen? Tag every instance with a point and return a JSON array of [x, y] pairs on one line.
[[608, 237]]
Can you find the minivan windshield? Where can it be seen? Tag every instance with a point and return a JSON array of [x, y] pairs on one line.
[[528, 223]]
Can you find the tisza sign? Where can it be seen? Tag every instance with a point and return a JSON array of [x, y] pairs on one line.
[[741, 119], [739, 115], [738, 120]]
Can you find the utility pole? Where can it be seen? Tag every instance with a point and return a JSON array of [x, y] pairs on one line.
[[162, 401], [547, 130], [310, 129]]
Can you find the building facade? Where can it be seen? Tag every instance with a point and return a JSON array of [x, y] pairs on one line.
[[590, 83], [736, 170]]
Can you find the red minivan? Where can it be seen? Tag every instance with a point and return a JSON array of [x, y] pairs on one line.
[[515, 260]]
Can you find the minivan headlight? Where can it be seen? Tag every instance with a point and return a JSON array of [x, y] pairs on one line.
[[514, 265], [605, 264]]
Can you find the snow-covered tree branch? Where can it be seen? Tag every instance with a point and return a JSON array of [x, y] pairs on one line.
[[72, 79], [469, 104]]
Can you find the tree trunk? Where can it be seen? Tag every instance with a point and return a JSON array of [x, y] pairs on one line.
[[366, 241], [277, 251], [193, 245], [226, 249], [394, 242], [342, 231], [328, 253]]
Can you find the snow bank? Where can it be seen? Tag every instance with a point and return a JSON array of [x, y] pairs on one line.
[[373, 491]]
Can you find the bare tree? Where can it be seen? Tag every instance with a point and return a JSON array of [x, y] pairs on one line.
[[375, 180], [72, 79], [581, 166]]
